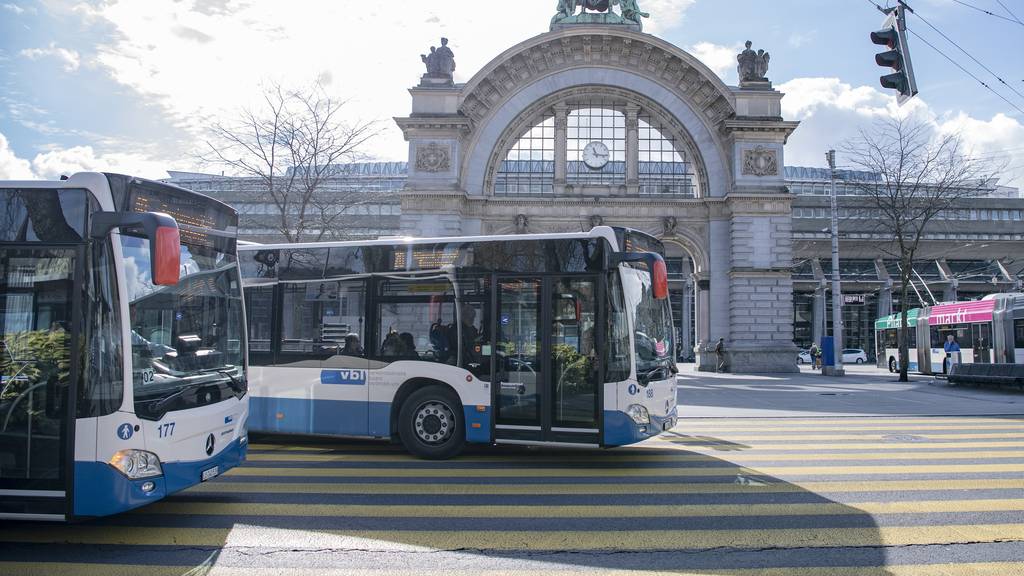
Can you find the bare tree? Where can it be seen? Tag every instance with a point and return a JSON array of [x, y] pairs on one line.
[[291, 145], [921, 173]]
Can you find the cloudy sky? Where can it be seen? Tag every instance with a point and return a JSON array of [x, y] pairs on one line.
[[129, 85]]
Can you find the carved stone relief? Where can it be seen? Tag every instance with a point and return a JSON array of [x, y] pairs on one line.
[[433, 157], [760, 161]]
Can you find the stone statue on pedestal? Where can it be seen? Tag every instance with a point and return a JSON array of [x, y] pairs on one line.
[[753, 66], [598, 12], [631, 12], [440, 65]]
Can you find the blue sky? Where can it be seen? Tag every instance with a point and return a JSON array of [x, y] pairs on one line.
[[130, 85]]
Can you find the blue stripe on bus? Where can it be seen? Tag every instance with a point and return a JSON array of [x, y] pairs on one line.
[[101, 490], [343, 418]]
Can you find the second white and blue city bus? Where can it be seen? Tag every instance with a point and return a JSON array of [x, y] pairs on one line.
[[122, 345], [556, 339]]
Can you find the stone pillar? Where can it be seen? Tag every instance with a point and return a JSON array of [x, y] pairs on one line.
[[818, 313], [759, 235], [885, 299], [632, 149], [685, 336], [561, 137], [702, 305], [949, 291]]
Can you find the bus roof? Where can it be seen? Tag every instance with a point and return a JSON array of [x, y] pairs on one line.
[[606, 232]]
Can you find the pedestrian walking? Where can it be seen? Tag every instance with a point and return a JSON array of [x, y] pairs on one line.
[[720, 355], [815, 353]]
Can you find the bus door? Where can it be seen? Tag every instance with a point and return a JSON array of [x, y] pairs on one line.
[[546, 377], [38, 368], [981, 335]]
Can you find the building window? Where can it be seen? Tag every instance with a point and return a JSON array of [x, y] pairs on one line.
[[663, 169], [529, 167], [597, 121]]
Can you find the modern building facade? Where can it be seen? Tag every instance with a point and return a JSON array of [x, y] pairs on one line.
[[593, 124]]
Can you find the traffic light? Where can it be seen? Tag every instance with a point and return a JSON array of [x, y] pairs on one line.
[[893, 35]]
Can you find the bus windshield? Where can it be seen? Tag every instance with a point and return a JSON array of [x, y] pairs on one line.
[[185, 335], [652, 321]]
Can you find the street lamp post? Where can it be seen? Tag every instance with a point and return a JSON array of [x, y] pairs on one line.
[[837, 293]]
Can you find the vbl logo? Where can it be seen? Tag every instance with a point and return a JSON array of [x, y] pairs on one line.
[[355, 377]]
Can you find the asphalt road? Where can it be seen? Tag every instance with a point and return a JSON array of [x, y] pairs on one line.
[[801, 485]]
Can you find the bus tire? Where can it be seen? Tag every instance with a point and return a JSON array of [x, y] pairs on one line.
[[431, 424], [892, 364]]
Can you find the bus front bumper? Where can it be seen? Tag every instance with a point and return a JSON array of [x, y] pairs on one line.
[[620, 429], [101, 490]]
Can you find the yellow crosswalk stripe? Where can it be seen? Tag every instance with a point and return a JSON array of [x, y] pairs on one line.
[[1014, 426], [871, 435], [965, 569], [743, 485], [639, 540], [868, 420], [723, 444], [625, 472], [581, 457], [595, 511]]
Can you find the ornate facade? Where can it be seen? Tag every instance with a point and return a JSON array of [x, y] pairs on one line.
[[592, 124]]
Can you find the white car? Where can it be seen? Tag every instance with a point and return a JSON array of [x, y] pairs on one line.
[[854, 356], [804, 357]]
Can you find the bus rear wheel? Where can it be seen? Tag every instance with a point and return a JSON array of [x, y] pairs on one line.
[[431, 424], [892, 365]]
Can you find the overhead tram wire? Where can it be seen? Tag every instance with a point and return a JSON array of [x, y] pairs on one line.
[[966, 53], [954, 62], [965, 71], [993, 14], [1008, 11]]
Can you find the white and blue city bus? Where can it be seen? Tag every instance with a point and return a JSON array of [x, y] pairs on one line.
[[122, 344], [556, 339]]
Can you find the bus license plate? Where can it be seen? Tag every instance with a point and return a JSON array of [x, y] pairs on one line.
[[210, 473]]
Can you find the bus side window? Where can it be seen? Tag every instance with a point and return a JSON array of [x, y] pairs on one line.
[[259, 309], [416, 321]]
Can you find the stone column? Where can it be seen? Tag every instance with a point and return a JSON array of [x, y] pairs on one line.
[[561, 138], [818, 314], [685, 336], [949, 291], [885, 299], [632, 149], [702, 305]]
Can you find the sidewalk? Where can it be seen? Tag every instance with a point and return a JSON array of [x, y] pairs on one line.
[[864, 391]]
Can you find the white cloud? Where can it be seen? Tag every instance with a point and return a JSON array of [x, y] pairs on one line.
[[798, 39], [665, 14], [721, 59], [202, 59], [832, 111], [69, 58], [14, 8], [54, 163], [12, 167]]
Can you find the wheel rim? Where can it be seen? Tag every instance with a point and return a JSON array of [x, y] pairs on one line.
[[434, 422]]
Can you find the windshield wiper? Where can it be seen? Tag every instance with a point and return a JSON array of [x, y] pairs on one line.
[[237, 384], [156, 408]]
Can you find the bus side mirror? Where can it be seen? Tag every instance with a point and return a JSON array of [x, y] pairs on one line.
[[162, 232], [655, 264]]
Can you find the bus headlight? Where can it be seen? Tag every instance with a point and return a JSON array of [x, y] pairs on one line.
[[136, 464], [639, 414]]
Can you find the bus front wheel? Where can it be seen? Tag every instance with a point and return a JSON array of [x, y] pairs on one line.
[[892, 365], [431, 424]]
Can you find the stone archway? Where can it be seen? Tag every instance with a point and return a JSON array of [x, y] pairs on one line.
[[735, 229]]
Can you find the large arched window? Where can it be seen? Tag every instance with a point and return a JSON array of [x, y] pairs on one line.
[[593, 149], [596, 124], [663, 166], [529, 166]]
